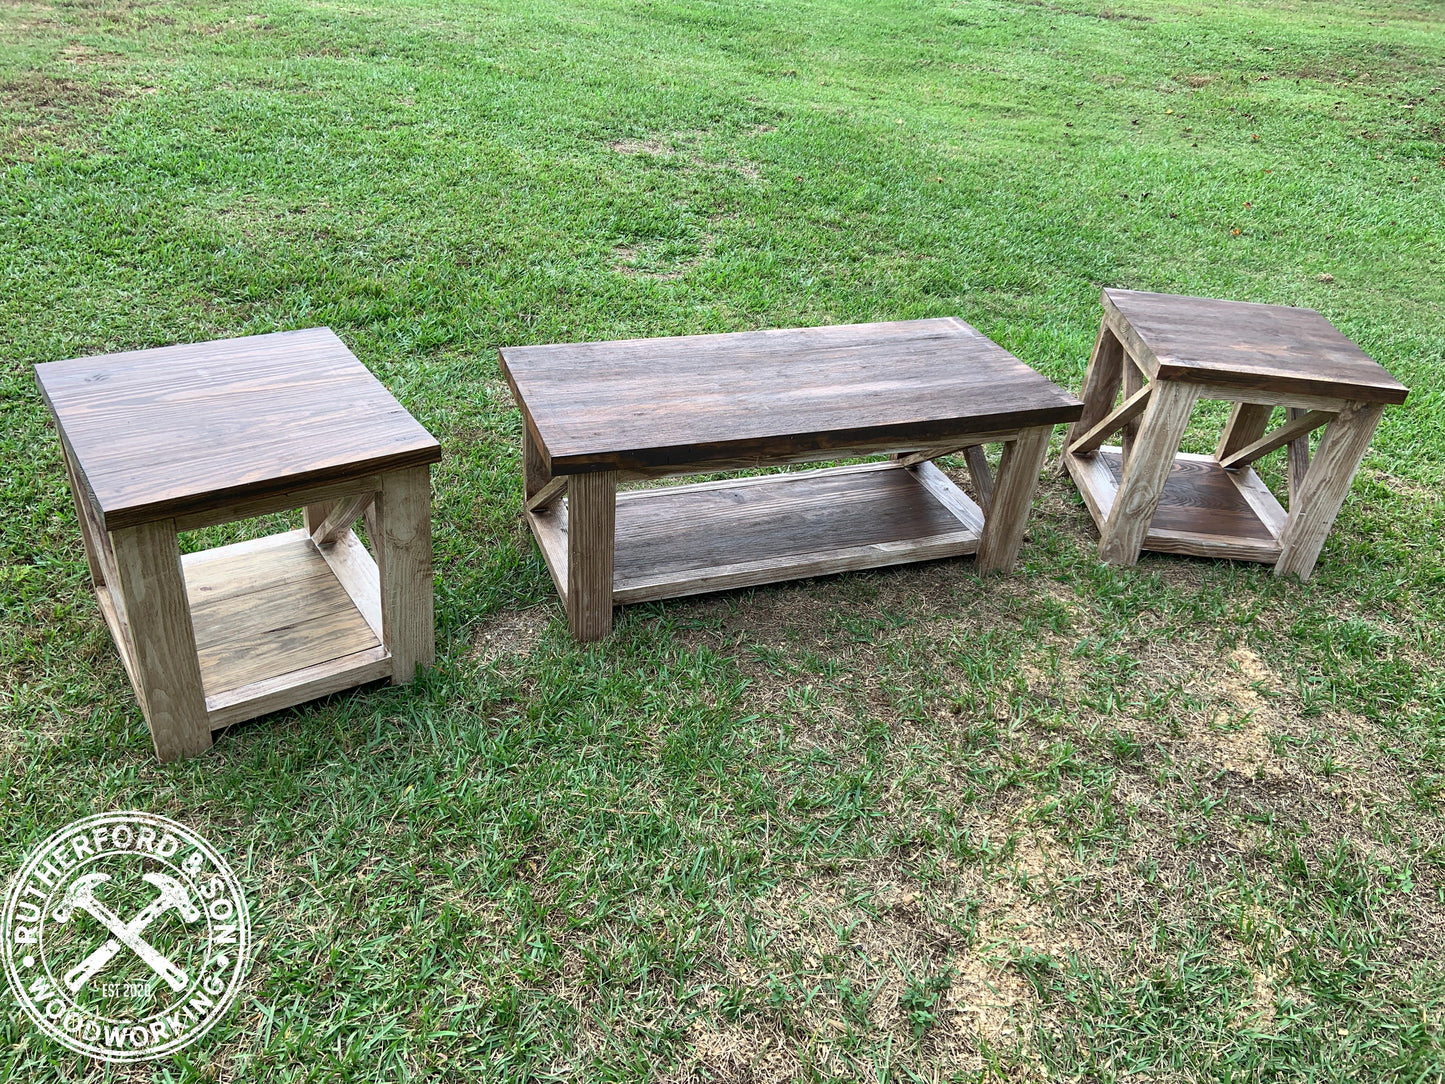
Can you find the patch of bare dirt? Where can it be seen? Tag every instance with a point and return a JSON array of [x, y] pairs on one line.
[[510, 633]]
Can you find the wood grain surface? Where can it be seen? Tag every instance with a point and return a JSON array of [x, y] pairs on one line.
[[711, 536], [694, 400], [1271, 348], [183, 429], [150, 596], [1203, 511], [267, 608]]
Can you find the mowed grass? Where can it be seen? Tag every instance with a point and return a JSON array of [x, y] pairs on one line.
[[1175, 822]]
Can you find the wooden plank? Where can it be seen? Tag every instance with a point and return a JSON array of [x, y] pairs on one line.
[[1018, 477], [1297, 463], [1218, 547], [340, 518], [85, 517], [1101, 383], [700, 400], [120, 634], [1146, 472], [591, 538], [168, 677], [1302, 425], [937, 483], [553, 489], [181, 430], [739, 532], [978, 470], [1313, 512], [754, 573], [686, 540], [1270, 348], [1260, 499], [315, 501], [1130, 409], [536, 468], [549, 527], [355, 569], [1333, 404], [400, 528], [314, 515], [1203, 510], [1134, 386], [287, 690], [1247, 423], [1200, 498], [1097, 484], [267, 607], [903, 451]]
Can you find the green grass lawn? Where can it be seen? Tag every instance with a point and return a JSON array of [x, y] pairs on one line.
[[1180, 821]]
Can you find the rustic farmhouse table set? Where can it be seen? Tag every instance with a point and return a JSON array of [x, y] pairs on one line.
[[159, 442]]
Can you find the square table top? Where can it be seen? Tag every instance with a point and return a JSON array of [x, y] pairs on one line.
[[1243, 345], [185, 429], [689, 400]]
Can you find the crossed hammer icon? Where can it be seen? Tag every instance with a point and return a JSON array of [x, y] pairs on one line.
[[81, 895]]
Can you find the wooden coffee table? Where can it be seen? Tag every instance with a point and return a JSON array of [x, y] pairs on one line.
[[158, 442], [599, 414]]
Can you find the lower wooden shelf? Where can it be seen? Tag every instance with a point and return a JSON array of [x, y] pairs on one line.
[[1205, 510], [278, 621], [741, 532]]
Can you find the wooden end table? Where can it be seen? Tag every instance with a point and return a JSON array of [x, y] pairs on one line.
[[598, 414], [1161, 353], [157, 442]]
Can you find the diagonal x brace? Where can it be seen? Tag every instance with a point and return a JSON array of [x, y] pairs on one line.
[[1130, 409], [1286, 433], [339, 520]]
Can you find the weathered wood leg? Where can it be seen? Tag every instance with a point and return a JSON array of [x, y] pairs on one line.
[[314, 515], [87, 535], [1298, 462], [1146, 471], [399, 524], [152, 590], [1247, 423], [1013, 493], [978, 470], [591, 538], [1101, 385], [535, 472], [1312, 512], [1133, 382]]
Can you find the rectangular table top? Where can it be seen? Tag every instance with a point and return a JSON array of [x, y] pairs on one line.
[[671, 402], [185, 429]]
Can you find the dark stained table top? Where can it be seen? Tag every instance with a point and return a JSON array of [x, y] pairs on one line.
[[185, 429], [640, 403], [1274, 348]]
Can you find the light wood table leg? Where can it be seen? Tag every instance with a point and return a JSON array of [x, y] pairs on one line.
[[152, 590], [1013, 493], [591, 538], [1312, 511], [1146, 471], [1101, 385], [399, 524]]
